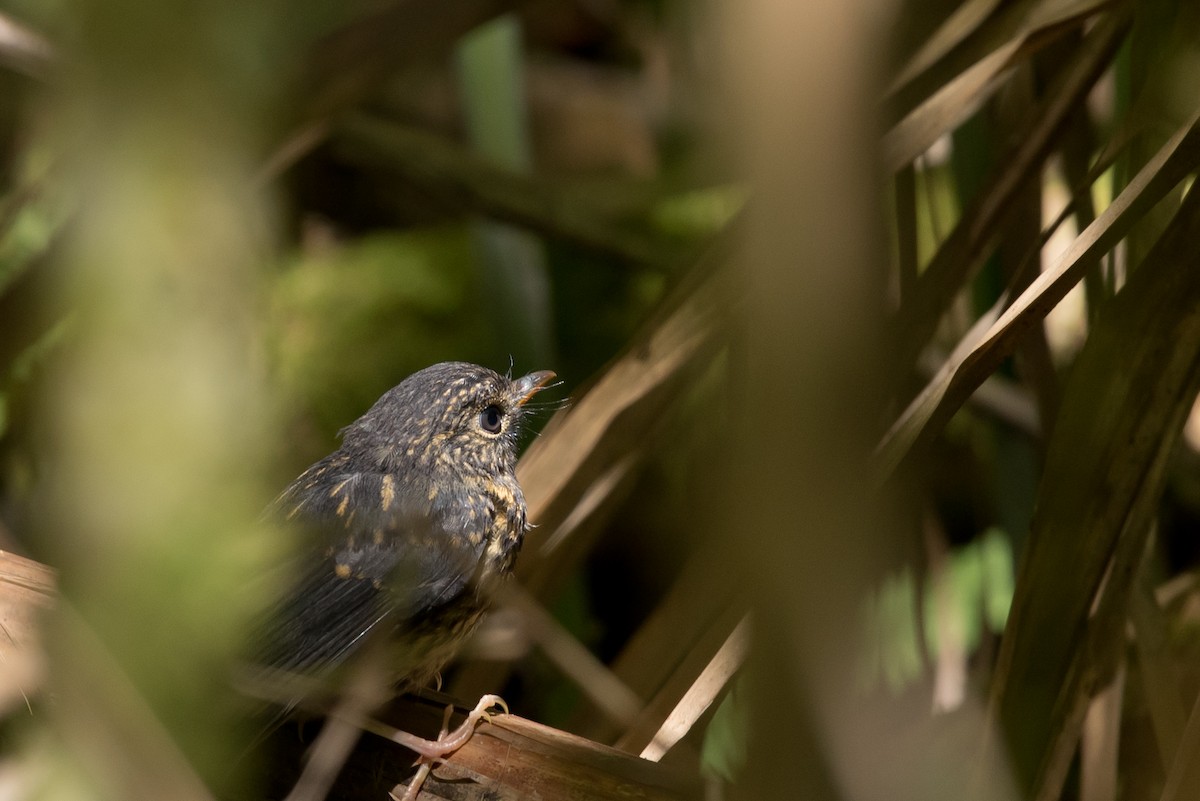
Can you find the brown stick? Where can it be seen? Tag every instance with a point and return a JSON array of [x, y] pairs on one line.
[[514, 759]]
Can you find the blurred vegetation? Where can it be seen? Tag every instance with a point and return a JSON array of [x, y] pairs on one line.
[[878, 326]]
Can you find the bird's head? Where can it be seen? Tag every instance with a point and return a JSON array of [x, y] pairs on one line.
[[454, 416]]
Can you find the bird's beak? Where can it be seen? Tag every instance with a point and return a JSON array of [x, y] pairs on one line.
[[527, 386]]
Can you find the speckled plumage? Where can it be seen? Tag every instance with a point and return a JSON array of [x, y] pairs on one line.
[[415, 518]]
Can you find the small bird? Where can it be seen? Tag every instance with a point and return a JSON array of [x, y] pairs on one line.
[[412, 523]]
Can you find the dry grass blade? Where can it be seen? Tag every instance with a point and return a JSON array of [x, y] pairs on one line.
[[674, 643], [1121, 416], [953, 100], [614, 418], [984, 219], [575, 535], [606, 690], [22, 578], [1183, 781], [965, 20], [1100, 745], [24, 50], [1091, 667], [982, 352], [26, 588], [1017, 258], [688, 694], [972, 35], [365, 690], [1159, 680], [905, 194], [947, 108]]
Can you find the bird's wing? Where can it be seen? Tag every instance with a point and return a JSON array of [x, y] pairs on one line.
[[387, 553]]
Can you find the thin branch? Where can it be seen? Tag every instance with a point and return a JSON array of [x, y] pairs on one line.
[[461, 180]]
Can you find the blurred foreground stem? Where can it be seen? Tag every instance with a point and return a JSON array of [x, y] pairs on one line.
[[157, 417]]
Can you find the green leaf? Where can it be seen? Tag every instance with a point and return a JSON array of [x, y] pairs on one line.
[[996, 562], [723, 753], [902, 663]]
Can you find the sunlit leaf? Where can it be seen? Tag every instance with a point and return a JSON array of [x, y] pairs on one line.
[[996, 562]]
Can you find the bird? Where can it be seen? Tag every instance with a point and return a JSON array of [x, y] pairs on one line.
[[408, 528]]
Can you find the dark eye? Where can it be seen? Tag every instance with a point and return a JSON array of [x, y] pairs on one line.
[[492, 419]]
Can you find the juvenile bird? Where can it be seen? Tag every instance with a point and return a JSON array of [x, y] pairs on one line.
[[412, 521]]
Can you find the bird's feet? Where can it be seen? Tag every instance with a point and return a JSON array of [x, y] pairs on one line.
[[430, 752]]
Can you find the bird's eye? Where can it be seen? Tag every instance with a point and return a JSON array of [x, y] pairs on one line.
[[492, 419]]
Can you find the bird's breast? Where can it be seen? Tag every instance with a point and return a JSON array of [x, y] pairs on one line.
[[507, 529]]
